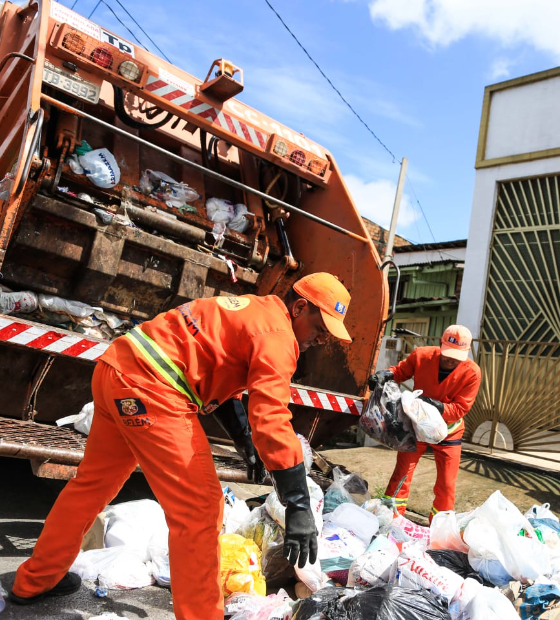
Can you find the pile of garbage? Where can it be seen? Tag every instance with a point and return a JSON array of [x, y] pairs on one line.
[[492, 563], [67, 314]]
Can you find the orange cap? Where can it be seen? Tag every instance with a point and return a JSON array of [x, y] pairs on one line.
[[456, 342], [326, 292]]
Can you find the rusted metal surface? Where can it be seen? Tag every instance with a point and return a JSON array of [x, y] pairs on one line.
[[55, 452]]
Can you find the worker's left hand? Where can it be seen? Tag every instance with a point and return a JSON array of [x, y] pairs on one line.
[[432, 401]]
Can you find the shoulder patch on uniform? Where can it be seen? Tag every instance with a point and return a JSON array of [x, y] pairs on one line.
[[233, 303]]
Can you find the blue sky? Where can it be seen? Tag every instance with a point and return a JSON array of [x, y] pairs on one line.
[[414, 70]]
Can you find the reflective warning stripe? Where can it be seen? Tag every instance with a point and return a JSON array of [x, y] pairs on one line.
[[55, 341], [434, 511], [454, 426], [162, 363], [399, 501]]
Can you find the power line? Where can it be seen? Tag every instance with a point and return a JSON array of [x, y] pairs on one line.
[[120, 21], [142, 30], [420, 207], [331, 84]]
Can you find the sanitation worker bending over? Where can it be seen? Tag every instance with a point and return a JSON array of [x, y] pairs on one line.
[[148, 388], [450, 382]]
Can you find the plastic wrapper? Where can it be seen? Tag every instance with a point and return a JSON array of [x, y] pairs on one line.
[[236, 512], [307, 453], [540, 511], [386, 602], [58, 304], [374, 567], [428, 424], [342, 488], [446, 530], [21, 302], [384, 419], [240, 565], [239, 221], [273, 607], [134, 524], [278, 512], [165, 188], [537, 598], [486, 604], [379, 508], [81, 421], [219, 210], [269, 537], [499, 535], [402, 529], [312, 607], [118, 567], [356, 520], [312, 576], [100, 167], [458, 562], [415, 569], [393, 603]]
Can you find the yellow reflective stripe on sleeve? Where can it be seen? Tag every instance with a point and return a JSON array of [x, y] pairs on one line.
[[434, 511], [454, 426], [162, 363]]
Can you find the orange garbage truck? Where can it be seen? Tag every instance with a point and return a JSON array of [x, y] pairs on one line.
[[128, 187]]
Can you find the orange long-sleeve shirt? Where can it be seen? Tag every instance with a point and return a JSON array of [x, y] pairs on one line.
[[457, 391], [225, 345]]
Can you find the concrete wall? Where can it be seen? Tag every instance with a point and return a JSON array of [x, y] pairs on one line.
[[519, 138]]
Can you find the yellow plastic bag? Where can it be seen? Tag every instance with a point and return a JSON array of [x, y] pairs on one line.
[[241, 566]]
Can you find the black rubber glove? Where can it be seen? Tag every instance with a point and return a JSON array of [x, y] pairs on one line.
[[300, 539], [432, 401], [232, 417], [380, 378]]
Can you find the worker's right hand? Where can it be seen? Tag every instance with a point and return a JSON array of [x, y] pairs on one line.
[[380, 378], [300, 539]]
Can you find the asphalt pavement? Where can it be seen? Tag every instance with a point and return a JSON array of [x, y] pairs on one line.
[[24, 503]]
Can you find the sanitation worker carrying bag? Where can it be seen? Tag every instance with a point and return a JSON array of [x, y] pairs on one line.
[[148, 389]]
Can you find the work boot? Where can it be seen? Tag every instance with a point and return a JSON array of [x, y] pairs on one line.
[[69, 584]]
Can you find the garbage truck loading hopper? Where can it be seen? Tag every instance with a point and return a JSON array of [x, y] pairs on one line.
[[140, 247]]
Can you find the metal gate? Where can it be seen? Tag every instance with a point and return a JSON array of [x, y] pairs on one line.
[[519, 352]]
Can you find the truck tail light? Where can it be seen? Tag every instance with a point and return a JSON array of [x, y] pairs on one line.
[[102, 56], [129, 70], [84, 50], [74, 43], [299, 156]]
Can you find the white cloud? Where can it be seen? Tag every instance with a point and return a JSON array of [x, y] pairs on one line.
[[375, 200], [441, 22], [500, 69]]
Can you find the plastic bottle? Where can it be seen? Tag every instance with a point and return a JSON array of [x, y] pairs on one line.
[[101, 588], [3, 594], [20, 302]]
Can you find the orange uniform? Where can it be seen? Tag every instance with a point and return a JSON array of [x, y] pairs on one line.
[[220, 346], [457, 392]]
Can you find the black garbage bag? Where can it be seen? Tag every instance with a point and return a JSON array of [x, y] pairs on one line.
[[384, 419], [315, 604], [458, 562], [385, 602], [390, 602]]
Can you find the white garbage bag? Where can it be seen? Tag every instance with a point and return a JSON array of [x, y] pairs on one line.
[[100, 167], [428, 424]]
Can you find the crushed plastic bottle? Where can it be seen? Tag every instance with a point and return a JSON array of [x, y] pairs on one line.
[[19, 302], [3, 596], [101, 588]]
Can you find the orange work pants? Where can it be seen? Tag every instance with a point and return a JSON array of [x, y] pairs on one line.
[[154, 426], [448, 459]]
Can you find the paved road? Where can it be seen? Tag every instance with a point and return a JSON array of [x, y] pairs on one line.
[[24, 503]]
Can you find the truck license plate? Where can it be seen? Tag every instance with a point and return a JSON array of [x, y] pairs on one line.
[[71, 84]]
